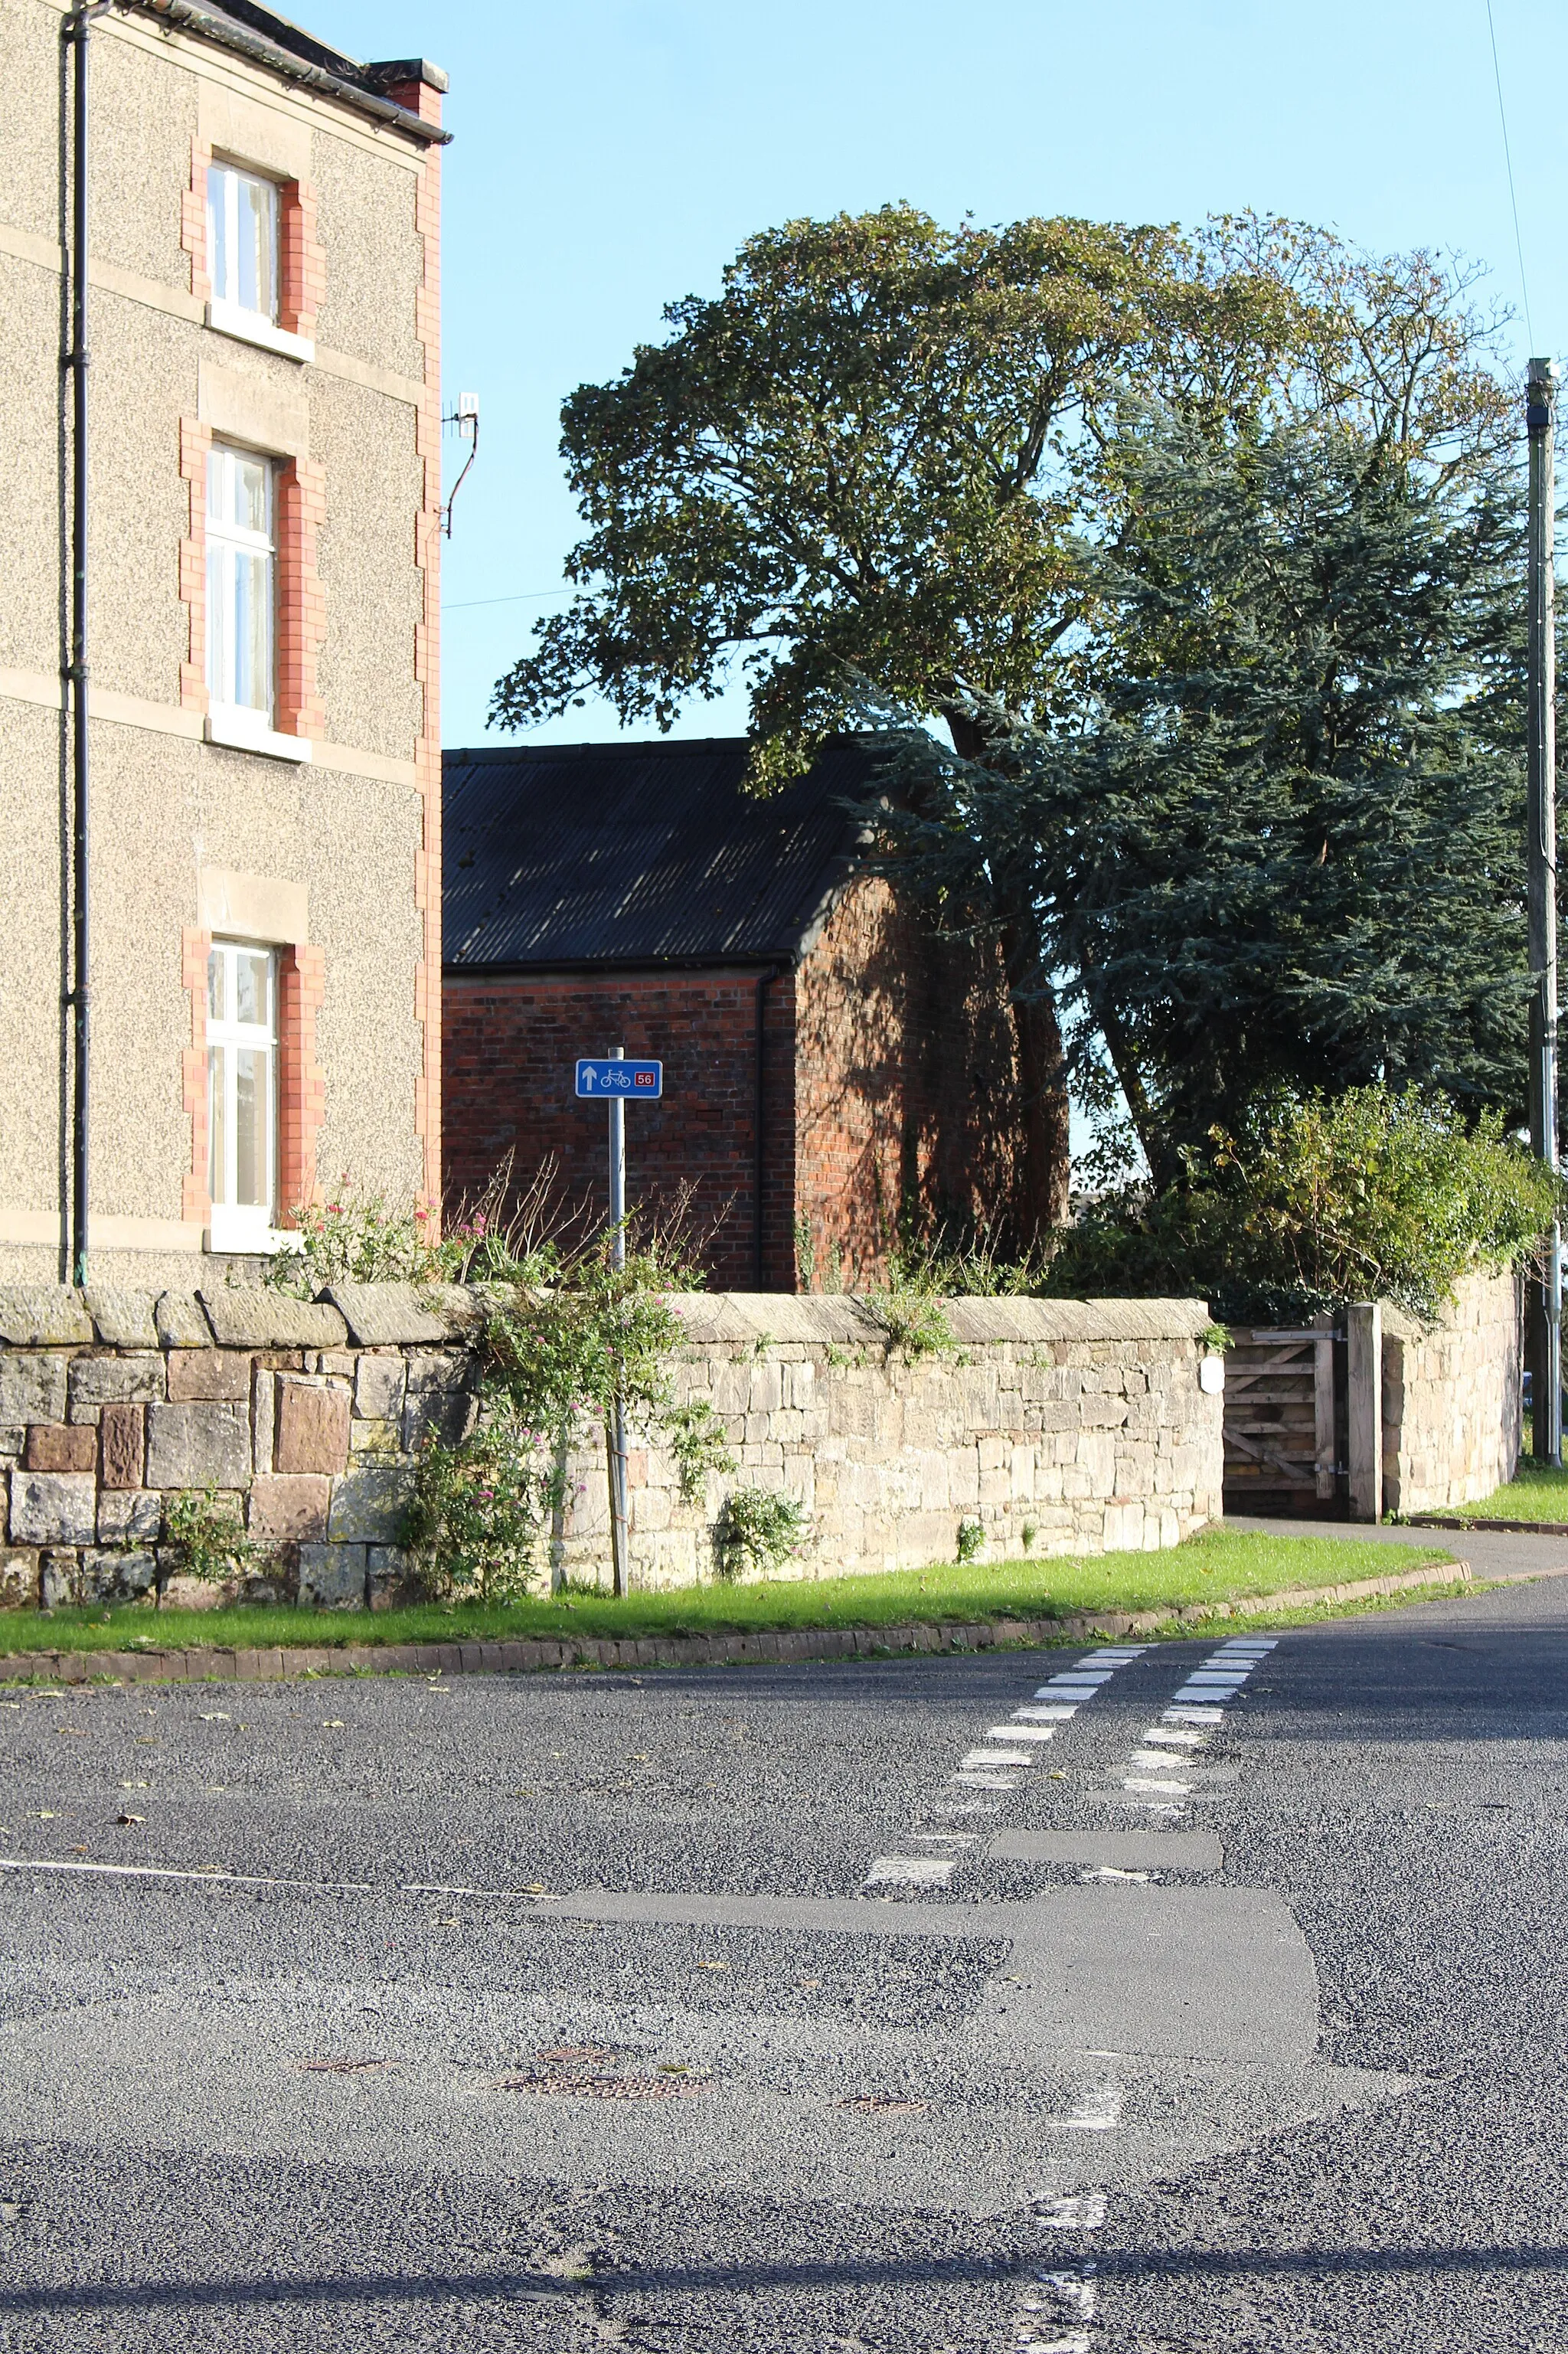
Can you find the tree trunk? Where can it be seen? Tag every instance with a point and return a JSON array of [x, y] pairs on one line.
[[1045, 1157], [1045, 1160]]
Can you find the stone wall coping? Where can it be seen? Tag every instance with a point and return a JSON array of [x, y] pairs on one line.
[[256, 1317], [421, 1315], [826, 1318]]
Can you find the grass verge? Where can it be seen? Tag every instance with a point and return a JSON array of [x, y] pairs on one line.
[[1216, 1566], [1535, 1492]]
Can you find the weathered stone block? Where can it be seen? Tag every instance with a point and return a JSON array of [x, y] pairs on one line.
[[291, 1510], [179, 1321], [18, 1578], [313, 1427], [391, 1576], [124, 1319], [367, 1438], [197, 1375], [114, 1573], [367, 1506], [199, 1445], [33, 1387], [53, 1508], [62, 1446], [380, 1314], [96, 1382], [333, 1577], [379, 1387], [13, 1442], [43, 1316], [59, 1579], [128, 1516], [123, 1430], [260, 1318], [437, 1406]]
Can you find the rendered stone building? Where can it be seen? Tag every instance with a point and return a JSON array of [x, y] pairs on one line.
[[263, 516], [834, 1064]]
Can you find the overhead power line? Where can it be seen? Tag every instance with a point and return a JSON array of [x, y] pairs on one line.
[[1508, 159], [523, 597]]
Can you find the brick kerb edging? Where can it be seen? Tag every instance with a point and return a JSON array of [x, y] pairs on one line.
[[772, 1647]]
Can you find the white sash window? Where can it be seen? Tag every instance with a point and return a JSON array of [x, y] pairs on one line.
[[241, 588], [242, 1094], [242, 241]]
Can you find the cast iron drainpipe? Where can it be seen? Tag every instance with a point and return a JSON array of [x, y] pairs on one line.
[[78, 996], [764, 982]]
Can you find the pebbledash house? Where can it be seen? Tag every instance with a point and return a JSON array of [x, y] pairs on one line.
[[219, 901]]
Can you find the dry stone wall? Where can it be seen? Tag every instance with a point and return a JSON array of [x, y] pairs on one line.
[[1453, 1398], [1056, 1425]]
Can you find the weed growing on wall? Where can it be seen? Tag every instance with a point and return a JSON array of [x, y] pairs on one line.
[[756, 1533], [203, 1538], [474, 1519]]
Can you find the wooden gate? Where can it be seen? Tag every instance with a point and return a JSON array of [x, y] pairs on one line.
[[1286, 1436]]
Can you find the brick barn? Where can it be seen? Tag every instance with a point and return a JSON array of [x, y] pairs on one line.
[[831, 1063]]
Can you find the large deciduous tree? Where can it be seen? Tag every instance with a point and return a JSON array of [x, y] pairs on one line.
[[874, 455]]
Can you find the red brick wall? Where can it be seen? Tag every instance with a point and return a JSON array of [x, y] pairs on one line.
[[905, 1084], [510, 1046]]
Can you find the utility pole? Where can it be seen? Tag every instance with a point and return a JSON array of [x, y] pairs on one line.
[[616, 1431], [1546, 1341]]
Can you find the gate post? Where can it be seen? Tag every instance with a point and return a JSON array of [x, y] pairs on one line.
[[1363, 1332]]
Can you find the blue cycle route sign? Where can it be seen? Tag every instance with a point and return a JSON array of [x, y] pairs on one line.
[[634, 1082]]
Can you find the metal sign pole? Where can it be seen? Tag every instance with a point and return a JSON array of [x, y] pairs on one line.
[[1546, 1308], [616, 1433]]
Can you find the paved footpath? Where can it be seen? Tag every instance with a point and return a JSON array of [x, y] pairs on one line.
[[1112, 2000]]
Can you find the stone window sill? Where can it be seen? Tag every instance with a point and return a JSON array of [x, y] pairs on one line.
[[247, 731], [250, 327], [240, 1237]]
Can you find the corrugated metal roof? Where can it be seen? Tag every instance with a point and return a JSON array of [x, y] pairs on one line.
[[640, 854]]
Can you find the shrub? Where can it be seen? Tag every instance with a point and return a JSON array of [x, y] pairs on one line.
[[971, 1537], [358, 1238], [204, 1538], [473, 1521], [757, 1530], [1316, 1201]]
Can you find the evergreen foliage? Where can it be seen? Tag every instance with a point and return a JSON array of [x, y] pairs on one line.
[[1314, 1201]]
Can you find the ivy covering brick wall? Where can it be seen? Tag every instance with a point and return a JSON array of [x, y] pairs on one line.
[[1067, 1425]]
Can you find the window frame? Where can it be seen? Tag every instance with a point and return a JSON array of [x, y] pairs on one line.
[[236, 1226], [231, 177], [225, 537]]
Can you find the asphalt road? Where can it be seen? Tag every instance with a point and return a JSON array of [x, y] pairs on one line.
[[830, 2009]]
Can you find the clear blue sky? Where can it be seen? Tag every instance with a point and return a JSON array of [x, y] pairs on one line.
[[612, 154]]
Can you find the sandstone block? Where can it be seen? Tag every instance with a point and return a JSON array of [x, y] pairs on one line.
[[53, 1508], [128, 1516], [116, 1573], [43, 1316], [313, 1427], [33, 1387], [95, 1382], [390, 1577], [260, 1318], [18, 1578], [124, 1434], [368, 1505], [199, 1445], [62, 1446], [290, 1510], [124, 1319], [59, 1579], [179, 1321], [379, 1387], [370, 1438], [333, 1577], [199, 1374]]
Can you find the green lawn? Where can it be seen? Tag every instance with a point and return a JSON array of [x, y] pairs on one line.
[[1535, 1492], [1216, 1566]]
